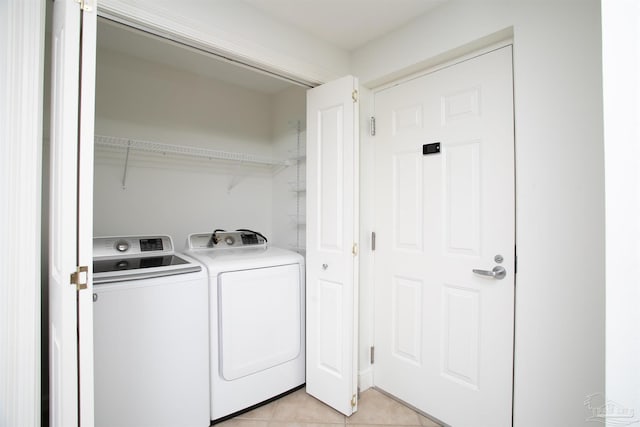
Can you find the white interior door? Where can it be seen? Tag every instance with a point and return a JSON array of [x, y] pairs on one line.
[[70, 214], [444, 334], [332, 233]]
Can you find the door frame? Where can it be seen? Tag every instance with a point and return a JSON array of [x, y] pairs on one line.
[[22, 74]]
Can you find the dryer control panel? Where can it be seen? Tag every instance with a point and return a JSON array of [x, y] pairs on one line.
[[226, 240]]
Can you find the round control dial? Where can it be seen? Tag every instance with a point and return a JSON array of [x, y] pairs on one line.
[[122, 246], [229, 240]]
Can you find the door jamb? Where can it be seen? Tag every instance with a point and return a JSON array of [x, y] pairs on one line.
[[404, 78]]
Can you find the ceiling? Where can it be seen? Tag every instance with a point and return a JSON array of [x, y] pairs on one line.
[[347, 24]]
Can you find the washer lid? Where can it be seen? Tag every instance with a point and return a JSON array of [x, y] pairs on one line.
[[121, 264], [116, 259], [119, 270]]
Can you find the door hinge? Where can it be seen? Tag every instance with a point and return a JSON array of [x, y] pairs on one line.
[[80, 277], [372, 126], [373, 240], [372, 355], [354, 401], [354, 249], [85, 5], [354, 95]]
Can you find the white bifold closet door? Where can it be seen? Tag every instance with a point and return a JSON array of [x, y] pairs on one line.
[[332, 232], [71, 213]]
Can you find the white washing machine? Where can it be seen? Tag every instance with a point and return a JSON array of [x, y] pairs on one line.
[[256, 302], [151, 334]]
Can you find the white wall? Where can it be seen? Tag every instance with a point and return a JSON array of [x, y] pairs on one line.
[[289, 111], [559, 342], [621, 56], [174, 106], [177, 196]]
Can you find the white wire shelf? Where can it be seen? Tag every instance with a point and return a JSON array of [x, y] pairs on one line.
[[128, 144], [204, 153]]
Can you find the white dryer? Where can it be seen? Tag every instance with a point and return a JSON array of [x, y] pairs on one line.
[[256, 310]]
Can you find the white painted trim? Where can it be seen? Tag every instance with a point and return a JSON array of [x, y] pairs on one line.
[[447, 60], [365, 379], [166, 23], [621, 90], [21, 77], [366, 258]]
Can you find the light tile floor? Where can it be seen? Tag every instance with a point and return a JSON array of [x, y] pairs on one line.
[[299, 409]]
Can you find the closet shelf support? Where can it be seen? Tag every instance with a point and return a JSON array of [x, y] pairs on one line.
[[126, 166]]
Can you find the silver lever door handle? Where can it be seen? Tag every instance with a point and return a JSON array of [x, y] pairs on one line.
[[498, 272]]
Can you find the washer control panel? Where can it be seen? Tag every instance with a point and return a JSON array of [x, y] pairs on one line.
[[131, 245]]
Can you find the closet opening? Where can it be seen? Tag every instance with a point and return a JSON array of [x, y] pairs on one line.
[[188, 141]]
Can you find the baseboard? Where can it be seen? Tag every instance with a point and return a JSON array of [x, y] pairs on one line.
[[365, 379]]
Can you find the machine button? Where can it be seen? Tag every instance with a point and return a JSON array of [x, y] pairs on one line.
[[122, 265], [122, 245]]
